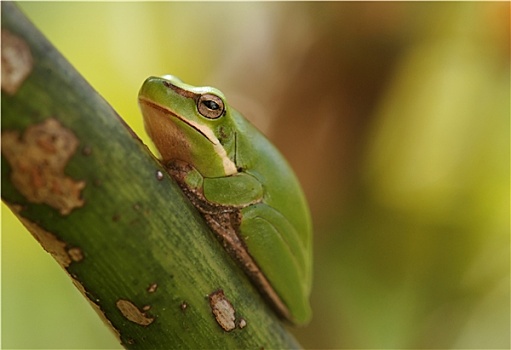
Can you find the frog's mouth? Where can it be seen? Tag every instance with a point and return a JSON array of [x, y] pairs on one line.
[[171, 140]]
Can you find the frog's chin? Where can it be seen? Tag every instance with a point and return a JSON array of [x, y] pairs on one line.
[[167, 136]]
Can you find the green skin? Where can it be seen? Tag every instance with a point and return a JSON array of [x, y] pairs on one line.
[[240, 183]]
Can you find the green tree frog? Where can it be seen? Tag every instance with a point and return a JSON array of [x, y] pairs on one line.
[[240, 183]]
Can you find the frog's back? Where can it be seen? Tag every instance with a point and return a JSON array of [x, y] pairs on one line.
[[282, 193], [282, 189]]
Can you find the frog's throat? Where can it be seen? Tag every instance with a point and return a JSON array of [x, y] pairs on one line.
[[228, 165]]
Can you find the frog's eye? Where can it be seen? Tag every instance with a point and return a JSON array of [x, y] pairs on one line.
[[210, 106]]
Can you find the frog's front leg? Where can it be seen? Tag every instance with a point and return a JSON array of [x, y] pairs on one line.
[[216, 194], [238, 190]]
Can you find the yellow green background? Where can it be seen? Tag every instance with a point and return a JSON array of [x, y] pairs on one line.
[[396, 119]]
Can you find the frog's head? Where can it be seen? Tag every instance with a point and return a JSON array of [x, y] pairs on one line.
[[191, 124]]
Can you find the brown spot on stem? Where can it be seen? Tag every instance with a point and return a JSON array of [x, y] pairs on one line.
[[132, 313], [223, 310], [75, 254], [183, 306], [152, 288], [17, 62], [38, 158], [242, 323], [49, 242]]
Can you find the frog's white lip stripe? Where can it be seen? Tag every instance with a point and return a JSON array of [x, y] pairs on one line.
[[228, 164]]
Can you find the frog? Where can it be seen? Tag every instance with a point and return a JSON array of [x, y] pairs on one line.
[[240, 183]]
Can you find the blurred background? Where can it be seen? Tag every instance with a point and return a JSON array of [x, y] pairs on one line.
[[396, 118]]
